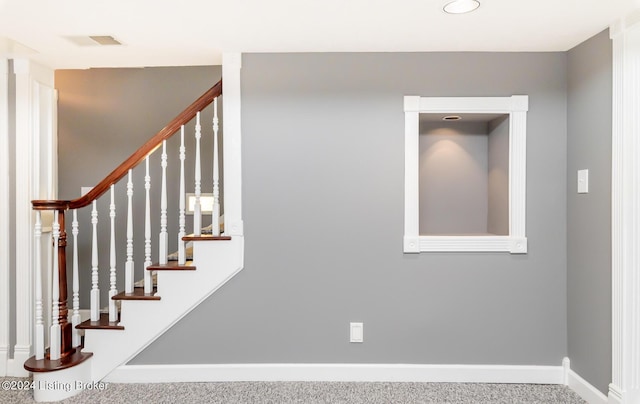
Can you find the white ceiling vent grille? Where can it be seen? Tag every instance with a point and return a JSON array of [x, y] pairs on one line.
[[94, 40]]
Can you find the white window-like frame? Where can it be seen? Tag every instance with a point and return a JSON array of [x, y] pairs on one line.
[[516, 106]]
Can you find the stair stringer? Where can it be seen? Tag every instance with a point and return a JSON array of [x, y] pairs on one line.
[[180, 292]]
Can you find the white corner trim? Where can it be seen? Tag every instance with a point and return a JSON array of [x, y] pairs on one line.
[[582, 387], [625, 190], [516, 106], [337, 372], [232, 145], [5, 231]]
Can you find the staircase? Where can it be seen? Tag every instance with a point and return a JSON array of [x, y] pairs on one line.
[[81, 353]]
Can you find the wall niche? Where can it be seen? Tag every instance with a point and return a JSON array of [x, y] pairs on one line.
[[465, 174]]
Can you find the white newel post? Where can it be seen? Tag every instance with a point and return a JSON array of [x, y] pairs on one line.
[[129, 266], [164, 238], [39, 329], [54, 348], [197, 211], [75, 318], [625, 232], [181, 209], [148, 278], [113, 309], [95, 290], [232, 145], [215, 214]]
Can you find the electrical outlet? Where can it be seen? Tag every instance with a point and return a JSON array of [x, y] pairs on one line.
[[356, 332]]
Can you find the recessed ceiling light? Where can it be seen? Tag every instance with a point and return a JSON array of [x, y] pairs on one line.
[[461, 6], [452, 118]]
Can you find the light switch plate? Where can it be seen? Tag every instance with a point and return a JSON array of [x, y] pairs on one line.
[[356, 332], [583, 181]]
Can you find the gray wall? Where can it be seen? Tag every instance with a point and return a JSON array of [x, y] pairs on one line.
[[498, 214], [323, 161], [589, 215], [104, 115], [453, 177]]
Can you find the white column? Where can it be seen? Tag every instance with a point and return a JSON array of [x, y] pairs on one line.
[[231, 65], [75, 318], [29, 77], [148, 278], [95, 290], [23, 216], [215, 214], [164, 238], [129, 266], [197, 211], [113, 309], [625, 233], [5, 231]]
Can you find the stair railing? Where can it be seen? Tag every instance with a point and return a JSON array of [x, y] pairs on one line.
[[64, 337]]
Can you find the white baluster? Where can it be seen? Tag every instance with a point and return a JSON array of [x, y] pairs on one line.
[[215, 214], [39, 337], [148, 276], [129, 266], [95, 291], [113, 309], [164, 241], [181, 212], [54, 339], [197, 211], [75, 318]]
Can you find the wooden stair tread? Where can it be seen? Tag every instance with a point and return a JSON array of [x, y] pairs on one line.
[[138, 294], [172, 266], [102, 324], [46, 365], [205, 237]]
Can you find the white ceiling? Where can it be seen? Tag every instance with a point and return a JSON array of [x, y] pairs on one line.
[[196, 32]]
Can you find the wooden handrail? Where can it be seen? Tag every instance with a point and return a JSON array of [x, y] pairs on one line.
[[137, 157]]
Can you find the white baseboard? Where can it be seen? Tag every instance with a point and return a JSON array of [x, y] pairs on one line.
[[615, 394], [4, 361], [15, 366], [582, 387], [338, 373]]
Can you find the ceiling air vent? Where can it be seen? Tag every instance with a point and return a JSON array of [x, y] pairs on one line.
[[93, 40], [105, 40]]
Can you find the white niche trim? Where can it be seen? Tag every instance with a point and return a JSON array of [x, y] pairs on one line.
[[516, 107]]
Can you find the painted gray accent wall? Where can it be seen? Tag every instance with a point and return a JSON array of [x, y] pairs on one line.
[[323, 161], [104, 115], [498, 209], [453, 177], [589, 215]]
